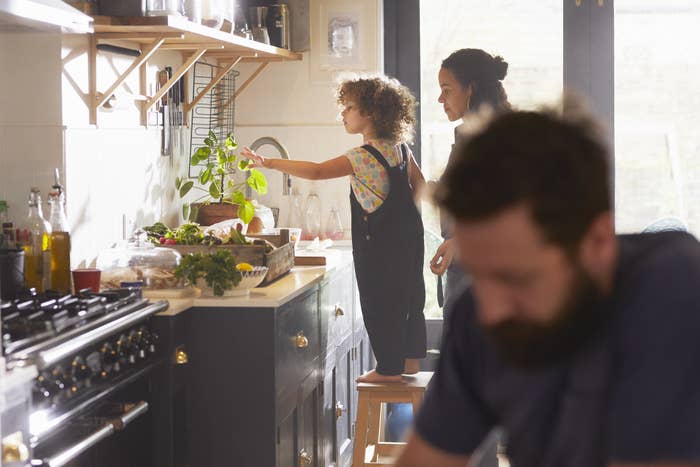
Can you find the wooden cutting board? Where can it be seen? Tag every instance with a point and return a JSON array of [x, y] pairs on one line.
[[309, 261]]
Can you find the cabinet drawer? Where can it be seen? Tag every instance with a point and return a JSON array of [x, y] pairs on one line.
[[297, 342], [335, 307]]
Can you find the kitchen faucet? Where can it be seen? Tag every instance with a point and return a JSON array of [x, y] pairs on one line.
[[286, 181]]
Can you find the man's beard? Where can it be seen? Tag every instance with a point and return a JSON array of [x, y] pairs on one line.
[[531, 345]]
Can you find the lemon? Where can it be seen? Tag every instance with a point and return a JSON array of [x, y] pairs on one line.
[[244, 267]]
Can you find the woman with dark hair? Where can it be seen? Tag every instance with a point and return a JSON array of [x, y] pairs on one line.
[[470, 79]]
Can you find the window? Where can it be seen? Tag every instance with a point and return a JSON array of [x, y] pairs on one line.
[[528, 35], [657, 110]]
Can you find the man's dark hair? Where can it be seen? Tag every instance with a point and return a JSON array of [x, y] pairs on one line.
[[557, 166]]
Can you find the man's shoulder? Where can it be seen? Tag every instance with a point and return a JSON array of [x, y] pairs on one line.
[[660, 258]]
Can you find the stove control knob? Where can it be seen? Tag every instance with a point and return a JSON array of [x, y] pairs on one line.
[[43, 387], [80, 370], [109, 354], [59, 379]]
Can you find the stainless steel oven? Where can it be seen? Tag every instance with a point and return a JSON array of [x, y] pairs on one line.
[[96, 356]]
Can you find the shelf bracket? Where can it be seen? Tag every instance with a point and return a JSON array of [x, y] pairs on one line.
[[97, 100], [176, 76], [212, 83], [245, 84]]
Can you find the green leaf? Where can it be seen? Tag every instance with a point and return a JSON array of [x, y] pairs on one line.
[[243, 165], [237, 197], [230, 143], [185, 211], [221, 157], [185, 188], [257, 181], [246, 211], [231, 158], [205, 176], [215, 190], [178, 182], [212, 135]]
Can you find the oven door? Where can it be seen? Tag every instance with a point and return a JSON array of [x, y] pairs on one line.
[[113, 429]]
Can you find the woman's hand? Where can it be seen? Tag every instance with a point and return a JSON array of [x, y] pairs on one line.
[[443, 257], [257, 160]]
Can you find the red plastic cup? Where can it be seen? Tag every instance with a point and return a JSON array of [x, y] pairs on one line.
[[88, 278]]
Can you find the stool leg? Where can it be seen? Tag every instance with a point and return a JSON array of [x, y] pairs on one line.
[[416, 399], [375, 425], [358, 456]]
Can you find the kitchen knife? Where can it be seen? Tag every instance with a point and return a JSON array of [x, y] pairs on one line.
[[165, 139]]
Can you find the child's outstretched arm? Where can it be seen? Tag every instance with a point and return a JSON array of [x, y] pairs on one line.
[[333, 168]]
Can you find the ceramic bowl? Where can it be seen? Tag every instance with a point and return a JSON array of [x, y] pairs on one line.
[[249, 280]]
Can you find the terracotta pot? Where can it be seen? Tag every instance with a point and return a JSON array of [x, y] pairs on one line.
[[208, 214]]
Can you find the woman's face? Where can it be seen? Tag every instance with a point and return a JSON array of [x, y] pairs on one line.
[[453, 96]]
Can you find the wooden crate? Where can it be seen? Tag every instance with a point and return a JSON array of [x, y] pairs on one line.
[[279, 261]]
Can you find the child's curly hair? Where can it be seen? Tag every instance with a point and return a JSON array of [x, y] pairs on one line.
[[389, 104]]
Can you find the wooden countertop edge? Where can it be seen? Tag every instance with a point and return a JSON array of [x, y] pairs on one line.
[[299, 280]]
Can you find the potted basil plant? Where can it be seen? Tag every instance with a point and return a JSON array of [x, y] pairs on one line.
[[215, 183]]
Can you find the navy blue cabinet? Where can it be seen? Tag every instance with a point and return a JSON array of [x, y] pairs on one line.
[[265, 387]]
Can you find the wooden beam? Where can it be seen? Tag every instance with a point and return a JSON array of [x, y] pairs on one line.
[[255, 74], [181, 71], [193, 46], [211, 84], [141, 60], [92, 78], [138, 35]]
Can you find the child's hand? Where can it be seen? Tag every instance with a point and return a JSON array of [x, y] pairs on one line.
[[257, 160]]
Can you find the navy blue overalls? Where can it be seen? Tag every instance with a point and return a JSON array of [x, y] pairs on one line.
[[388, 248]]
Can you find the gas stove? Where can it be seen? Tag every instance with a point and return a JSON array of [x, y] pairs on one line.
[[88, 349]]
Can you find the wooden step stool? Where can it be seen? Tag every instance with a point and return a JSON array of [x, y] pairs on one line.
[[369, 450]]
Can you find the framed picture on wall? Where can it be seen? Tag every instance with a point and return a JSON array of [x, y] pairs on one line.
[[345, 36]]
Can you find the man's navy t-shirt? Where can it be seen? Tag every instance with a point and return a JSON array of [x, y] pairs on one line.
[[632, 394]]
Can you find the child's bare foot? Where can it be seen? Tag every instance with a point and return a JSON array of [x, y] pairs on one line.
[[373, 377], [411, 366]]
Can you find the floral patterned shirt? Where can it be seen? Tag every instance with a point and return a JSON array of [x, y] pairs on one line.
[[369, 181]]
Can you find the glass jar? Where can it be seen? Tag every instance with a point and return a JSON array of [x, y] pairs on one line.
[[312, 217], [139, 260], [163, 7]]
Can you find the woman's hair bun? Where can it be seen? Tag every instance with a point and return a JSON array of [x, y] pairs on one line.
[[500, 68]]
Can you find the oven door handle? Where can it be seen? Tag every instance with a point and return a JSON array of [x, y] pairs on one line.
[[104, 432]]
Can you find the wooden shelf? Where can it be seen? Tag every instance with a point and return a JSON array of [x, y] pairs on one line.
[[175, 33], [146, 27]]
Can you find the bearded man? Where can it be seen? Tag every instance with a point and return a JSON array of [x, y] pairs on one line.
[[582, 345]]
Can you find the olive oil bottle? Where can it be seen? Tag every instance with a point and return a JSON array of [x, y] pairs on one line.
[[33, 236], [60, 240]]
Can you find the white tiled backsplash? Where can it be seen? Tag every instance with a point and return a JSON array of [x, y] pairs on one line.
[[114, 172]]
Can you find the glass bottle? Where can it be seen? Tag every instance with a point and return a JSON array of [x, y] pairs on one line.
[[33, 236], [334, 228], [296, 210], [60, 241], [7, 238], [312, 217]]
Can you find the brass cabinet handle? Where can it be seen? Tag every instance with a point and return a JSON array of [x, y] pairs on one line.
[[300, 341], [181, 356], [339, 311], [14, 449], [305, 458], [339, 409]]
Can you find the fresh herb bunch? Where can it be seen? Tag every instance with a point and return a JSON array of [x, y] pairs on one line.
[[218, 161], [156, 231], [218, 270]]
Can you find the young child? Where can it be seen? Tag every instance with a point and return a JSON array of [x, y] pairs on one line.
[[387, 230]]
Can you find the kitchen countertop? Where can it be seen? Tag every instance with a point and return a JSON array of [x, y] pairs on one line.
[[291, 285]]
